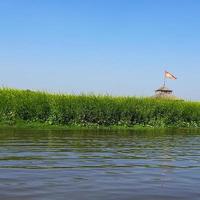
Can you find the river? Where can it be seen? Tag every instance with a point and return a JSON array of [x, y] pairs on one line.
[[108, 165]]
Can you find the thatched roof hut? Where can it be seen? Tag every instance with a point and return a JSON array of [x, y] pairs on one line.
[[165, 93]]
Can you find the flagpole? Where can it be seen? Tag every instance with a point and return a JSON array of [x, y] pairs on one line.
[[164, 79]]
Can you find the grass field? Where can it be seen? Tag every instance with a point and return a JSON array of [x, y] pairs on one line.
[[93, 111]]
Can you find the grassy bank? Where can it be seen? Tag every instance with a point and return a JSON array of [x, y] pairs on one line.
[[54, 110]]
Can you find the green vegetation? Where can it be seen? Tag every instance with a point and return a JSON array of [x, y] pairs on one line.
[[95, 111]]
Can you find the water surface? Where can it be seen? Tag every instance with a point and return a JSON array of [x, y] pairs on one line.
[[99, 165]]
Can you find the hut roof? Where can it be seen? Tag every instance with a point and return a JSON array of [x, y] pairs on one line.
[[164, 89]]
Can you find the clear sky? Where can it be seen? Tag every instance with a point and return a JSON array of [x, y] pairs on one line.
[[119, 47]]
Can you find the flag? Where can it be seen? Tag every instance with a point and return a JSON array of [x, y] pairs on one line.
[[169, 75]]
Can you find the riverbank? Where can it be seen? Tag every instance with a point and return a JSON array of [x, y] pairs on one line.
[[37, 126], [27, 108], [45, 126]]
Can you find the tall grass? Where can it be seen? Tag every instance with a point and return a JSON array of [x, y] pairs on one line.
[[87, 110]]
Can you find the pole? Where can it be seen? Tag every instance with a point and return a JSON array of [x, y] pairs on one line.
[[164, 80]]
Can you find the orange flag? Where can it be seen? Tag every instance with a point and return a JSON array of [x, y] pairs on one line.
[[169, 75]]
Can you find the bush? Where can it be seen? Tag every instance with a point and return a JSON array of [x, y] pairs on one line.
[[87, 110]]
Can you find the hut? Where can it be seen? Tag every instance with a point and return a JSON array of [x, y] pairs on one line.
[[164, 92]]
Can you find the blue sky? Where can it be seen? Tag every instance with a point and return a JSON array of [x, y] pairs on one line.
[[119, 47]]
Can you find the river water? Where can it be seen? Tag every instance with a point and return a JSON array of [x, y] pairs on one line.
[[125, 165]]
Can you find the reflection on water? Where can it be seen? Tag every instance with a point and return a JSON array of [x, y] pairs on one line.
[[99, 165]]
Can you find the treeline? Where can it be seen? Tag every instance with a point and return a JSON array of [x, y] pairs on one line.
[[89, 110]]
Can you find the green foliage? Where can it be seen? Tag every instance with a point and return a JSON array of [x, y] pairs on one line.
[[91, 110]]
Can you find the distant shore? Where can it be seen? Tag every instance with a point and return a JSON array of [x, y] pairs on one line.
[[45, 126], [25, 108], [22, 125]]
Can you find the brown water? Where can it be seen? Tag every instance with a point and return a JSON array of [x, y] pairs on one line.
[[99, 165]]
